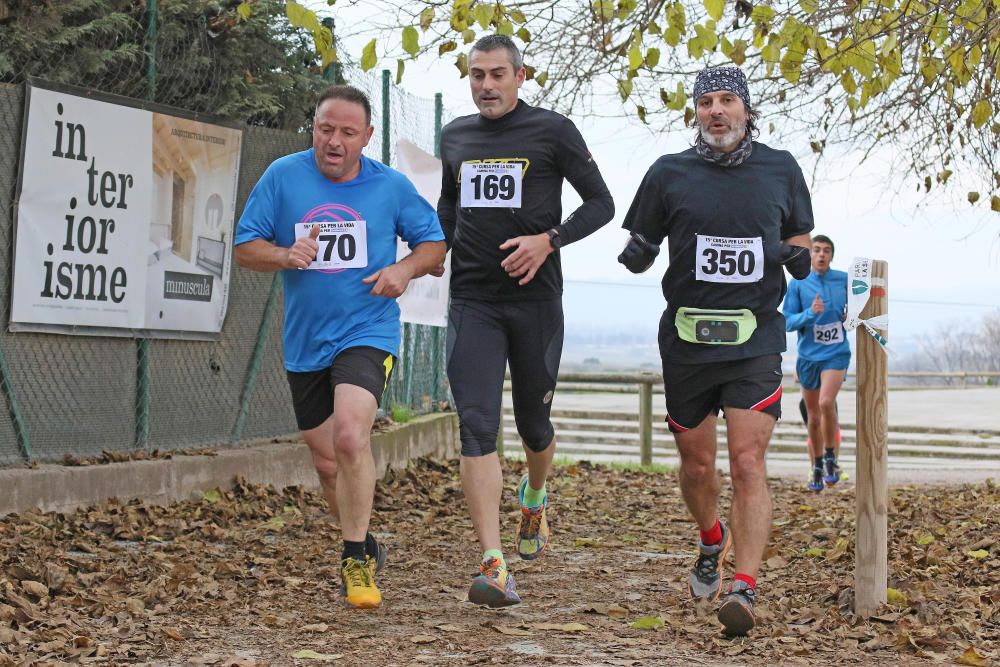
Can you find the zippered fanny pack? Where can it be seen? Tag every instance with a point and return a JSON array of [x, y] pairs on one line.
[[708, 326]]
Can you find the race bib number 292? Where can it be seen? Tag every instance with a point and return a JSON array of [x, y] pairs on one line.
[[342, 244], [828, 334], [491, 184], [729, 260]]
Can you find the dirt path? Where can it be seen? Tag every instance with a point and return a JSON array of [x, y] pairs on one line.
[[250, 576]]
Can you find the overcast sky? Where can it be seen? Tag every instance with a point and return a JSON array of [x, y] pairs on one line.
[[941, 253]]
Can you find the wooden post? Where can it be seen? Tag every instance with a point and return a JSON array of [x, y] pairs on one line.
[[646, 423], [871, 548]]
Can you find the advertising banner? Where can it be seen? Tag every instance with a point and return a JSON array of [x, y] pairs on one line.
[[425, 300], [124, 220]]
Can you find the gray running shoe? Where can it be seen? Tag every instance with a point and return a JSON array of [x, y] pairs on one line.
[[704, 582], [736, 611]]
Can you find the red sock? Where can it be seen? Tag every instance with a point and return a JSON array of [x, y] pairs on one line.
[[750, 581], [713, 535]]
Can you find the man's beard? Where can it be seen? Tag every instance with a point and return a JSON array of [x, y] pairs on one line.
[[734, 136]]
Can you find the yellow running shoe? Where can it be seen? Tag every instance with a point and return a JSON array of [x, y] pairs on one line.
[[359, 583], [532, 527]]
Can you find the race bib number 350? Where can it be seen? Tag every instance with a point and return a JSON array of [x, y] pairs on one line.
[[727, 260], [828, 334], [491, 184], [342, 244]]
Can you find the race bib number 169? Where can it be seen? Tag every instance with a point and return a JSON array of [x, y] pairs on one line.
[[342, 244], [727, 260], [491, 184]]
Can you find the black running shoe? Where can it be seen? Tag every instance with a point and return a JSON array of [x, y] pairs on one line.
[[736, 611]]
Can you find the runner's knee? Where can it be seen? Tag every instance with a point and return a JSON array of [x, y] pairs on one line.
[[478, 431], [537, 437], [828, 405], [747, 466], [697, 468], [349, 442]]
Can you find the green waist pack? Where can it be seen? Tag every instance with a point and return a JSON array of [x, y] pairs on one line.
[[715, 327]]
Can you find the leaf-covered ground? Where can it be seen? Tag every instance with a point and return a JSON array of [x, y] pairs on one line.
[[249, 576]]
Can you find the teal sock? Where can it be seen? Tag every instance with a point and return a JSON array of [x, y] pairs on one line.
[[494, 553], [533, 497]]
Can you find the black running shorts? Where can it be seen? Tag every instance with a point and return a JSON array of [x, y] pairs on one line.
[[483, 338], [693, 391], [312, 391]]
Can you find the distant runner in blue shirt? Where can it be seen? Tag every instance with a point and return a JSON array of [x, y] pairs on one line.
[[815, 307], [328, 219]]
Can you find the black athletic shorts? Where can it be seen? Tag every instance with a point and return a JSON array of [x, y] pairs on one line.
[[312, 391], [694, 391], [483, 338]]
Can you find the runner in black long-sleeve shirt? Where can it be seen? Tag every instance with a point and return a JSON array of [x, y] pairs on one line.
[[500, 208]]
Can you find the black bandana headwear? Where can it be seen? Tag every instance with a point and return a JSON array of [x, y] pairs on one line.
[[733, 80], [722, 78]]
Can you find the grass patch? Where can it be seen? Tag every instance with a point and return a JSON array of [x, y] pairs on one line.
[[401, 414]]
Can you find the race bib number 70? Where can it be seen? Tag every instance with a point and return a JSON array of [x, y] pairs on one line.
[[342, 244], [729, 260], [491, 184]]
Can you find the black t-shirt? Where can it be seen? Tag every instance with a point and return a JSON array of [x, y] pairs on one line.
[[723, 225], [487, 165]]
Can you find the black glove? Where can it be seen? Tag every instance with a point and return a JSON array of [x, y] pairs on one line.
[[638, 254], [795, 259]]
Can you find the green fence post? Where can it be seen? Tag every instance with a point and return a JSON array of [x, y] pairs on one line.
[[255, 360], [436, 331], [151, 26], [386, 108], [142, 399], [438, 115], [20, 428], [332, 73]]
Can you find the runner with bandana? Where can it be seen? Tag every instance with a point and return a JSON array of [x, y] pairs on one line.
[[735, 212]]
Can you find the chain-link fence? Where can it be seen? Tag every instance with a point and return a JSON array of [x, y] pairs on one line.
[[80, 395]]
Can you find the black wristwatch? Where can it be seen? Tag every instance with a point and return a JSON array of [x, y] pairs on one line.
[[554, 239]]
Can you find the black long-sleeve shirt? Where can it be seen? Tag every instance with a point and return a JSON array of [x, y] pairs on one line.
[[542, 148], [714, 218]]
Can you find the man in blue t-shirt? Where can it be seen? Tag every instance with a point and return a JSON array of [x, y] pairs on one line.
[[815, 307], [328, 219]]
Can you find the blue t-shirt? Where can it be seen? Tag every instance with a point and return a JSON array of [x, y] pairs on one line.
[[821, 337], [330, 310]]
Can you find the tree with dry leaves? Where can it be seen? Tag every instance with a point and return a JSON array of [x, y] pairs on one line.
[[918, 77]]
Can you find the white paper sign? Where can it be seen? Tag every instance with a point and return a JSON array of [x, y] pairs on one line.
[[729, 260], [425, 300], [859, 287], [491, 184], [343, 244], [858, 290]]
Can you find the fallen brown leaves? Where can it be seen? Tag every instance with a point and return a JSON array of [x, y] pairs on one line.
[[249, 576]]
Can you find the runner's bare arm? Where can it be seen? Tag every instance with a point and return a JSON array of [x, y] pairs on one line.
[[392, 280], [261, 255]]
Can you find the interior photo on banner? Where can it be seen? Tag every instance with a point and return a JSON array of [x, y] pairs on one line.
[[124, 221]]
